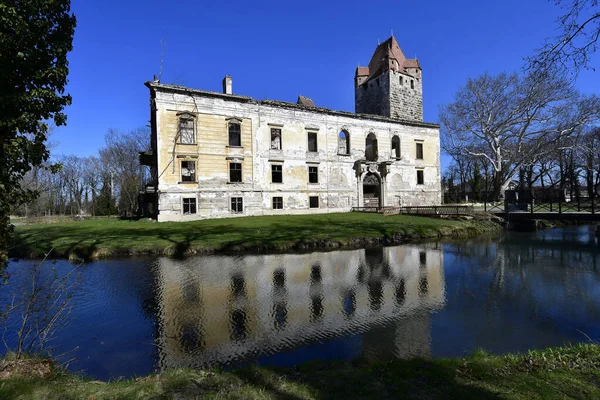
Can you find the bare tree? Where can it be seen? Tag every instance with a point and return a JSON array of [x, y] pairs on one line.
[[509, 121], [577, 40]]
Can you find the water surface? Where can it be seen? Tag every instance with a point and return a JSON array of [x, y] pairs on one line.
[[511, 293]]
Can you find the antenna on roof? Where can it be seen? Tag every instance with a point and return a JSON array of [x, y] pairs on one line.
[[378, 42], [391, 30]]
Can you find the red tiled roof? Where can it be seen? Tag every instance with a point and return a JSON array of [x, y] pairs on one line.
[[386, 51], [362, 71]]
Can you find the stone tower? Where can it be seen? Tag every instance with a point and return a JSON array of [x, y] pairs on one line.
[[391, 85]]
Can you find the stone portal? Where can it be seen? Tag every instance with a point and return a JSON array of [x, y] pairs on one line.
[[371, 190]]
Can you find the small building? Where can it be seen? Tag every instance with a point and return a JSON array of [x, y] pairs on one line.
[[223, 155]]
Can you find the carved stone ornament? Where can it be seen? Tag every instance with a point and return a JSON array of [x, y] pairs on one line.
[[373, 168]]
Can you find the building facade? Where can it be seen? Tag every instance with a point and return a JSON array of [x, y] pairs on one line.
[[222, 155]]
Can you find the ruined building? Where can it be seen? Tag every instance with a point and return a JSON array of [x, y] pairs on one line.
[[222, 154]]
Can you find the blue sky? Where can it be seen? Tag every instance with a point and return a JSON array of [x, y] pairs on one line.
[[279, 49]]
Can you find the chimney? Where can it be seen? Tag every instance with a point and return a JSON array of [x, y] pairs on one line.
[[227, 85]]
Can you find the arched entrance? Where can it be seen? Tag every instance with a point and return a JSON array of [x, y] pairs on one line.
[[371, 190]]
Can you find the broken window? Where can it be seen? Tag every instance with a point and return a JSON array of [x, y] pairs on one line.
[[420, 178], [237, 204], [277, 203], [186, 131], [189, 205], [235, 172], [419, 151], [314, 201], [313, 174], [312, 141], [235, 134], [188, 171], [276, 173], [344, 143], [371, 147], [275, 139], [396, 147]]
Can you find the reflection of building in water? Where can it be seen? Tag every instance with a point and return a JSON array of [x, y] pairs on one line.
[[218, 309]]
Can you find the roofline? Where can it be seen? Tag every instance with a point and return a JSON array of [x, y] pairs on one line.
[[283, 104]]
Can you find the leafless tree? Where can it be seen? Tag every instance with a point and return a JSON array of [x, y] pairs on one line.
[[509, 121], [40, 307], [577, 38]]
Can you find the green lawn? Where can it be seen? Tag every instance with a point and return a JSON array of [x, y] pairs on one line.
[[560, 373], [103, 237]]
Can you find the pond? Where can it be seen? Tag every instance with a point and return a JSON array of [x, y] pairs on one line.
[[514, 292]]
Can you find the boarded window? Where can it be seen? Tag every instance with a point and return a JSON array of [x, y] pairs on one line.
[[189, 206], [396, 147], [188, 171], [419, 151], [420, 178], [277, 203], [313, 174], [314, 201], [235, 134], [235, 172], [237, 204], [312, 141], [276, 174], [186, 131], [275, 139], [344, 143]]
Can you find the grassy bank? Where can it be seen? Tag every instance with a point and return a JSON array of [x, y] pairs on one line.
[[106, 237], [560, 373]]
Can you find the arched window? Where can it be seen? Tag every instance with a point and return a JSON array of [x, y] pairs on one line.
[[396, 146], [371, 147], [344, 143]]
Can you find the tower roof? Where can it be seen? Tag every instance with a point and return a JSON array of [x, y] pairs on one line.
[[383, 59]]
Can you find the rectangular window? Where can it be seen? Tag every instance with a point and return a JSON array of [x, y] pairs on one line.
[[189, 206], [235, 134], [188, 171], [186, 131], [420, 178], [314, 201], [277, 203], [419, 151], [312, 141], [235, 172], [275, 139], [237, 204], [313, 174], [276, 174]]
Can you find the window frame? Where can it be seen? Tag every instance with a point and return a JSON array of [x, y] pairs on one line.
[[189, 205], [314, 172], [277, 130], [277, 200], [230, 124], [419, 149], [241, 169], [310, 204], [421, 175], [239, 202], [398, 153], [186, 117], [345, 140], [280, 172], [193, 175], [316, 141]]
